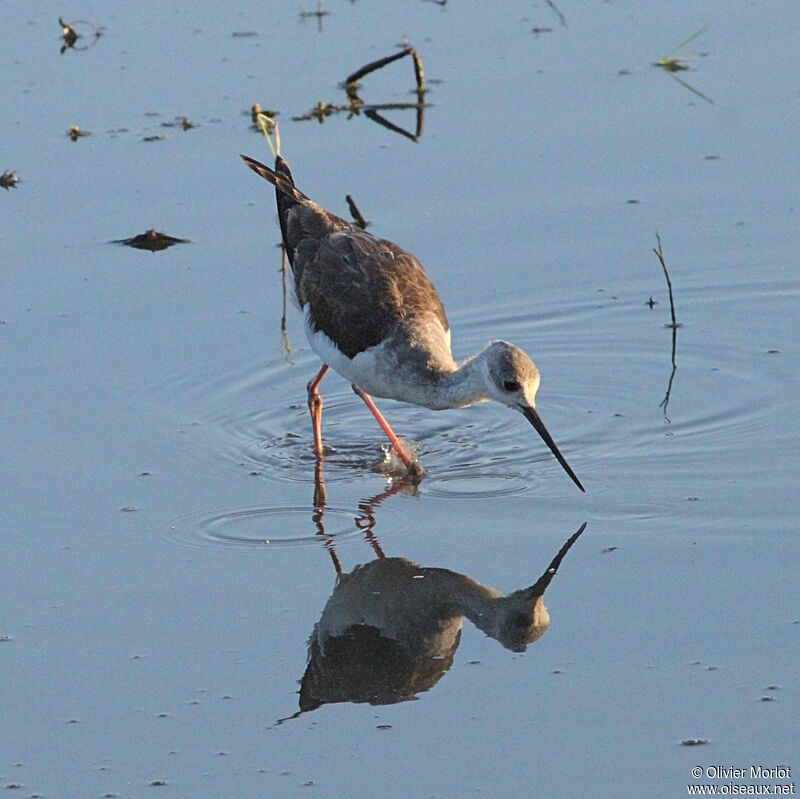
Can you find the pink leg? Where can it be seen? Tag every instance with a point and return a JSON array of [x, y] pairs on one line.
[[412, 466], [315, 406]]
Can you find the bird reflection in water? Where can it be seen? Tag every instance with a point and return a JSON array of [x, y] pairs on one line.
[[391, 627]]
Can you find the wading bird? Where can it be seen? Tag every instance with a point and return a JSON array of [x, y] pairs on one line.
[[373, 315]]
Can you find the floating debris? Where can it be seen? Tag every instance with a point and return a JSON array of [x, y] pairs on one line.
[[180, 122], [155, 137], [660, 255], [319, 13], [151, 240], [320, 112], [76, 133], [269, 114], [8, 180], [694, 741], [676, 61], [557, 11], [355, 105], [70, 34], [674, 326], [352, 80]]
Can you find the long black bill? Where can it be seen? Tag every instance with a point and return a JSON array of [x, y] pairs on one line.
[[533, 417]]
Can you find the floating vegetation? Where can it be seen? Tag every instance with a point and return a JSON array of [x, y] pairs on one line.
[[151, 240], [76, 133], [676, 61], [154, 137], [8, 180]]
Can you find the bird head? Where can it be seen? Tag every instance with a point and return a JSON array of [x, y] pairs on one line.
[[513, 379]]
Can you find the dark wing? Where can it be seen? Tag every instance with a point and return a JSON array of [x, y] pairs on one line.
[[359, 287]]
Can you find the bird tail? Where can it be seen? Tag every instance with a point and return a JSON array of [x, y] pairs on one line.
[[286, 193]]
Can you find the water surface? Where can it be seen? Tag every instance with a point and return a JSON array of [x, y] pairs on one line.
[[163, 560]]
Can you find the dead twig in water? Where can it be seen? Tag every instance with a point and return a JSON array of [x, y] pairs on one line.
[[665, 402], [659, 252], [319, 14], [352, 80], [660, 255], [356, 106], [284, 327], [557, 11]]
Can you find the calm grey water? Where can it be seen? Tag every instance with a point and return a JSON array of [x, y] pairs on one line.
[[155, 436]]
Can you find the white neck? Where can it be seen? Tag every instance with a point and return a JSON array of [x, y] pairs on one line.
[[465, 385]]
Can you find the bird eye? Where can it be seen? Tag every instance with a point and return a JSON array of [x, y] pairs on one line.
[[511, 385]]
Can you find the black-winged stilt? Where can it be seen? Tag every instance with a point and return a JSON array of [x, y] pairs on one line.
[[373, 315]]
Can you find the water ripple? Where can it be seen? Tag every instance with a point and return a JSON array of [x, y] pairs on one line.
[[605, 363]]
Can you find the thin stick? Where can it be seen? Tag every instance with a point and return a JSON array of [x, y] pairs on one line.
[[372, 114], [420, 75], [283, 278], [660, 255], [373, 65], [665, 402], [556, 10], [382, 62], [355, 212]]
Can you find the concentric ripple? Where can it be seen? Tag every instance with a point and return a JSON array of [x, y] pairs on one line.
[[270, 527], [606, 364]]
